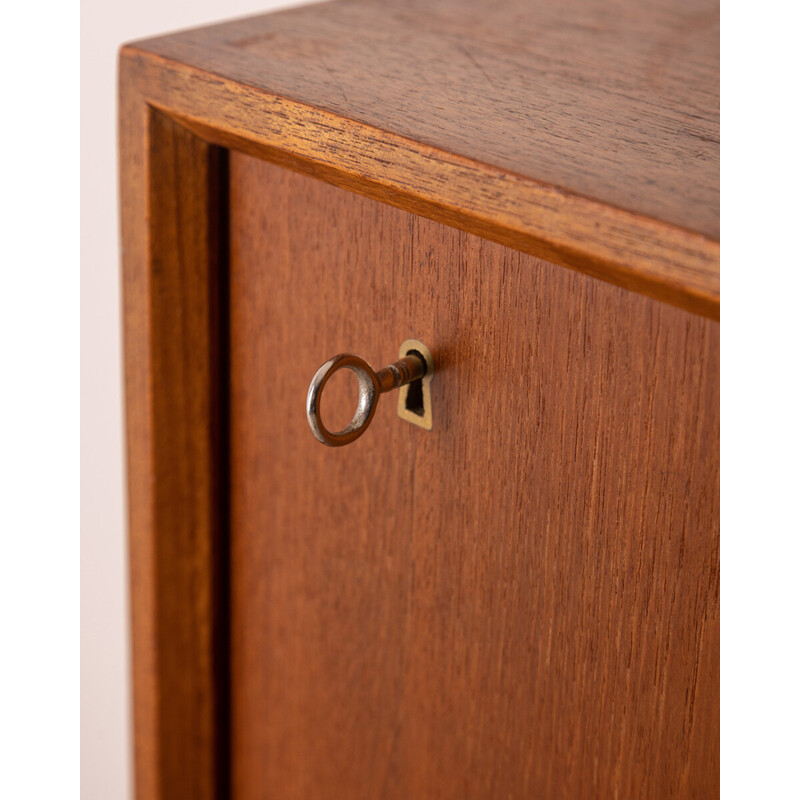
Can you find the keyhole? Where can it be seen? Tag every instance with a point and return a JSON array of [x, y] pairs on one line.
[[414, 397]]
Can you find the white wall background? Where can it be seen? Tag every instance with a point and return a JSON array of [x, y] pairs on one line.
[[105, 691]]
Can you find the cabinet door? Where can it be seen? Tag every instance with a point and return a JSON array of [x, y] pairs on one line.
[[522, 602]]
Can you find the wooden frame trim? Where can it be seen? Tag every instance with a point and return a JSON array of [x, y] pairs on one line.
[[669, 263], [174, 245]]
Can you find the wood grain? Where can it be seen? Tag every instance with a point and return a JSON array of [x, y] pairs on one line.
[[523, 602], [613, 100], [584, 133], [174, 206]]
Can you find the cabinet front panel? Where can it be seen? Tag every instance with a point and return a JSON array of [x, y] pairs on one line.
[[522, 602]]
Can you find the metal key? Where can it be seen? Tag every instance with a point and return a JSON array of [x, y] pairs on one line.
[[415, 364]]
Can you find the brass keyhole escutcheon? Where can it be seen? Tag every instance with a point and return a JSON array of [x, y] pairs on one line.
[[414, 399]]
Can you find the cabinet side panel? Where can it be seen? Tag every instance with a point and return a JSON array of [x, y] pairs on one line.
[[173, 266], [523, 602]]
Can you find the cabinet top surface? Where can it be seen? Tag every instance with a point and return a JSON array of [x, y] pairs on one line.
[[614, 100]]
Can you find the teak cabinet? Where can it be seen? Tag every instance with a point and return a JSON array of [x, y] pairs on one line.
[[522, 602]]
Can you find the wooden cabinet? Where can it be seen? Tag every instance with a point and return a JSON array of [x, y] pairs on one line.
[[524, 600]]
